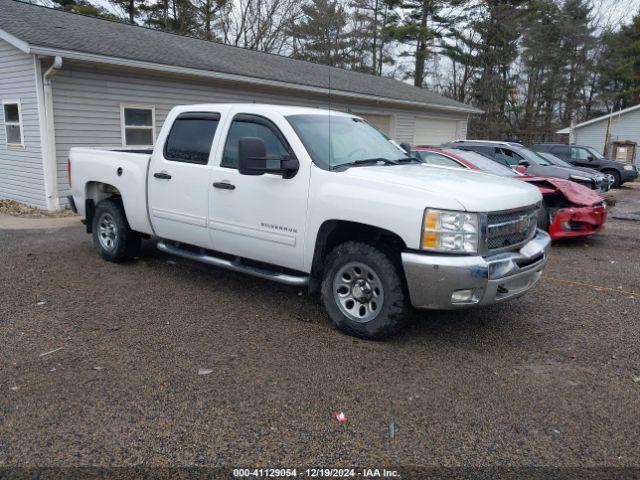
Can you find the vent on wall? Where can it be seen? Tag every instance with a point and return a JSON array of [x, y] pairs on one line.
[[624, 151]]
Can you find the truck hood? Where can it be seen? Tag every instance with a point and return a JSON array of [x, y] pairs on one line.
[[474, 191]]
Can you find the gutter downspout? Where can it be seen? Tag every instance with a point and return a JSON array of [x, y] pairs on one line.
[[50, 160]]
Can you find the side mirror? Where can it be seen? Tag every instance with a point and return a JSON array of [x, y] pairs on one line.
[[521, 169], [406, 147], [253, 160], [524, 163], [590, 158]]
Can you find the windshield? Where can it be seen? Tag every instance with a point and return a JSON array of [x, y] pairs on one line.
[[533, 157], [334, 140], [484, 163], [558, 162]]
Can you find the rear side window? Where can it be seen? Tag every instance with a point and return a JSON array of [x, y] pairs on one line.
[[560, 151], [191, 137], [253, 126], [507, 157]]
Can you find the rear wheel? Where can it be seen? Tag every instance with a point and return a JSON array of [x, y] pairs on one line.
[[112, 236], [363, 291]]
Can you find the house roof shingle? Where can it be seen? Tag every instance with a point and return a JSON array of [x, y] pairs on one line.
[[41, 27]]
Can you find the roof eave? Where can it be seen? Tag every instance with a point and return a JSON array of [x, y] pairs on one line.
[[603, 118], [16, 42], [124, 62]]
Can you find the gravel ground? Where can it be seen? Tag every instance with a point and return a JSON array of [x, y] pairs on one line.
[[551, 379]]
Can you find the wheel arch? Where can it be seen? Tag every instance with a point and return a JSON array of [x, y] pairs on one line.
[[94, 193], [334, 232]]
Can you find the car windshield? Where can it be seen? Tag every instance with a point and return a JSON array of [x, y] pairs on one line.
[[484, 163], [595, 153], [558, 162], [334, 140], [533, 157]]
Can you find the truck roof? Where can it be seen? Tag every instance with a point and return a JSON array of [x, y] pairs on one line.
[[264, 107]]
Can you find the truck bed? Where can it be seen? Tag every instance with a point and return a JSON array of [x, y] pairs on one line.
[[124, 169]]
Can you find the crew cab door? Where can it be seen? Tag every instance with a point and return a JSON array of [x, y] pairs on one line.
[[260, 217], [178, 181]]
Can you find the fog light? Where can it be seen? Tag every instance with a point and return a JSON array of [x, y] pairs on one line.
[[463, 296]]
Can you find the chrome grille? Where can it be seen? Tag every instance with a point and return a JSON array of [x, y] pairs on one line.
[[511, 227]]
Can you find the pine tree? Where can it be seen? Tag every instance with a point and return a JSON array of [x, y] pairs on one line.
[[619, 66], [320, 35], [421, 25]]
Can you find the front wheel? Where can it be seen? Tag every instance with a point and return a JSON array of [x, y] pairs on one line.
[[364, 292], [112, 236], [615, 176]]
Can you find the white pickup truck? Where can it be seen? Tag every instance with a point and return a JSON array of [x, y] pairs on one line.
[[320, 199]]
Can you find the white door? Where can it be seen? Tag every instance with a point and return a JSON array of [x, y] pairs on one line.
[[179, 185], [434, 131], [258, 217]]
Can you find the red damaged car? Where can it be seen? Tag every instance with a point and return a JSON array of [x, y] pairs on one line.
[[568, 209]]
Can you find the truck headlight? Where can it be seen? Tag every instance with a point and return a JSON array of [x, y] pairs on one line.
[[450, 231], [628, 167]]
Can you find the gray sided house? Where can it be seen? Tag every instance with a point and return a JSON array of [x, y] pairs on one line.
[[70, 80], [624, 128]]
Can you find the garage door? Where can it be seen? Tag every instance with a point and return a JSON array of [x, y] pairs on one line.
[[381, 122], [434, 131]]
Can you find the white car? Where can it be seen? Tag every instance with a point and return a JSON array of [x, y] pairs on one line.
[[316, 198]]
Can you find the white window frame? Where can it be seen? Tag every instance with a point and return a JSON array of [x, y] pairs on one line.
[[19, 123], [123, 127]]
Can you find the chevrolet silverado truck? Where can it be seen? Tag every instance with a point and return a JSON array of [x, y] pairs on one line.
[[316, 199]]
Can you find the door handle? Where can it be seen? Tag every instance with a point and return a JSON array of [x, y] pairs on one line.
[[162, 175], [224, 185]]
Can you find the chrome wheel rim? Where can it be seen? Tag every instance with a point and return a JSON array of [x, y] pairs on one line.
[[611, 178], [358, 292], [107, 232]]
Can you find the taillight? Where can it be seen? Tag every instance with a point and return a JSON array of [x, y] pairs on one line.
[[69, 171]]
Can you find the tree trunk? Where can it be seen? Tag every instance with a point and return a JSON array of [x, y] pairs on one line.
[[421, 48]]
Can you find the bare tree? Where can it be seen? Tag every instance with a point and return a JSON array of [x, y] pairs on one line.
[[258, 24]]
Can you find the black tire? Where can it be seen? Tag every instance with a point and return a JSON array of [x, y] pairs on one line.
[[544, 220], [395, 310], [617, 180], [125, 243]]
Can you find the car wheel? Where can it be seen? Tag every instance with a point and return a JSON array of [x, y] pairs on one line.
[[112, 236], [364, 291], [616, 178]]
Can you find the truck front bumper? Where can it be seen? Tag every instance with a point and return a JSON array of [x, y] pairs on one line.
[[447, 282]]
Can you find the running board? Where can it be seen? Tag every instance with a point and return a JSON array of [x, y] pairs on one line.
[[235, 265]]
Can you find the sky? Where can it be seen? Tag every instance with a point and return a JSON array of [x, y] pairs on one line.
[[612, 12], [616, 12]]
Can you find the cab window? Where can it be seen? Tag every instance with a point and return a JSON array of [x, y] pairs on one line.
[[579, 154], [507, 157], [191, 136], [560, 151], [253, 126]]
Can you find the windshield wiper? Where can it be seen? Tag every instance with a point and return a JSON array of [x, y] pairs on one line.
[[367, 161]]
